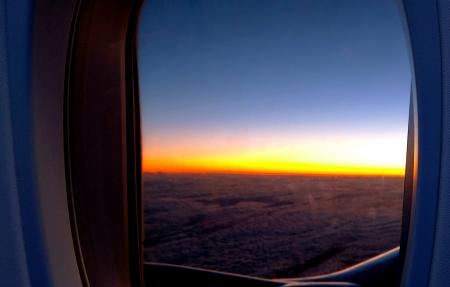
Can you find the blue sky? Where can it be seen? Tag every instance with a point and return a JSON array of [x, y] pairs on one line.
[[268, 68]]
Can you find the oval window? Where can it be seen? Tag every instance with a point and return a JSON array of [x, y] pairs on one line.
[[274, 133]]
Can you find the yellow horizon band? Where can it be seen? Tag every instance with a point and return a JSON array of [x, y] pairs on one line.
[[267, 168]]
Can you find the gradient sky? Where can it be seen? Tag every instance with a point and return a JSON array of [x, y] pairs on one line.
[[291, 86]]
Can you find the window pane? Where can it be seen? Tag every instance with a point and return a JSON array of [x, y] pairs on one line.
[[274, 133]]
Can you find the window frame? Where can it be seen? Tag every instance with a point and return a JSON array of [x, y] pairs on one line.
[[422, 176]]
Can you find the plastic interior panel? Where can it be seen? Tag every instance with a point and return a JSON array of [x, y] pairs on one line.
[[424, 40], [19, 35], [440, 275], [13, 258], [51, 37], [99, 143]]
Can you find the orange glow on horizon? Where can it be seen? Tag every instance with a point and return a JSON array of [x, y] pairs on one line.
[[267, 168], [363, 171], [307, 155]]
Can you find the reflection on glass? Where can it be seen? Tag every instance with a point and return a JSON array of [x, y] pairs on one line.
[[274, 133]]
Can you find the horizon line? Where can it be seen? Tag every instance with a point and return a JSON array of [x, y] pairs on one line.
[[231, 172]]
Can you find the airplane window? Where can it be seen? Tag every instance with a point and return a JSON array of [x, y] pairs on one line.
[[274, 133]]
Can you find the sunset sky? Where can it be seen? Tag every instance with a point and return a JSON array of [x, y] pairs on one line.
[[266, 86]]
